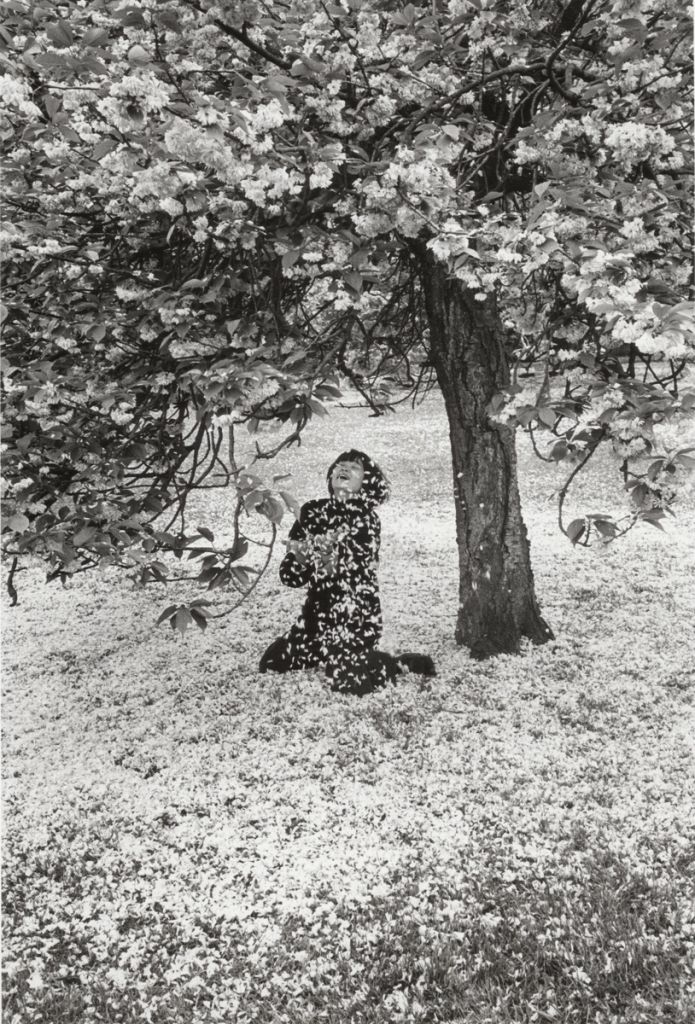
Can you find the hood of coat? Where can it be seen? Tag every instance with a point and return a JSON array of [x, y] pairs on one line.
[[375, 488]]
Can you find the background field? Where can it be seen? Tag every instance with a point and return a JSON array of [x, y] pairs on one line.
[[512, 841]]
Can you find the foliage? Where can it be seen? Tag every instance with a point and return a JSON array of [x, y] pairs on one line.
[[215, 211]]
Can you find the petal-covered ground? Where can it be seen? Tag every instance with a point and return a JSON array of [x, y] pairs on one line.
[[511, 841]]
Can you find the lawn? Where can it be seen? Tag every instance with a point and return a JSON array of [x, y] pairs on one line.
[[512, 841]]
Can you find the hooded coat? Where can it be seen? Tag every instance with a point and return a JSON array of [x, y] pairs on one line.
[[340, 623]]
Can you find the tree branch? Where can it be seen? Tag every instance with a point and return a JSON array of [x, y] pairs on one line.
[[563, 493], [241, 37]]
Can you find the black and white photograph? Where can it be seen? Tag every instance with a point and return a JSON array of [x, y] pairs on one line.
[[348, 518]]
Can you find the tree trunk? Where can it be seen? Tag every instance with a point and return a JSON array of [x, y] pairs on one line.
[[497, 601]]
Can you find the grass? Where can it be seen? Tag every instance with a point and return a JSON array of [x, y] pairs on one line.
[[510, 842], [592, 940]]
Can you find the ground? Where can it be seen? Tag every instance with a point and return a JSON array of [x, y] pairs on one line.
[[187, 840]]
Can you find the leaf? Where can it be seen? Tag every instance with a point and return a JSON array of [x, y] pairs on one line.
[[291, 502], [278, 83], [241, 575], [102, 148], [200, 619], [170, 20], [424, 58], [97, 332], [358, 257], [204, 532], [290, 258], [95, 37], [182, 620], [197, 552], [153, 504], [525, 414], [167, 613], [633, 25], [134, 110], [354, 280], [84, 535], [19, 523], [249, 482], [272, 509], [60, 33], [496, 403], [254, 498], [52, 106], [640, 492], [317, 407], [652, 517], [655, 468], [168, 539], [576, 529], [96, 67], [606, 528], [46, 61], [132, 17], [137, 451], [138, 54], [547, 415]]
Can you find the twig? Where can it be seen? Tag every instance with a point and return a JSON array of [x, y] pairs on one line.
[[543, 458], [241, 36], [11, 589], [261, 572], [578, 467]]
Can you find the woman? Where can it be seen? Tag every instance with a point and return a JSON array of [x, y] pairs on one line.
[[333, 550]]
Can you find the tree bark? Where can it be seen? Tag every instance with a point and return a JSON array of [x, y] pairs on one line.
[[497, 601]]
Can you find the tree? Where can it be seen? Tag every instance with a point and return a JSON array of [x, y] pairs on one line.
[[222, 210]]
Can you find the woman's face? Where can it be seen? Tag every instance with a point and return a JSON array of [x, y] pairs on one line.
[[347, 478]]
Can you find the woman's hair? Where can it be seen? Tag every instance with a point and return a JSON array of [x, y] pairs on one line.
[[375, 488]]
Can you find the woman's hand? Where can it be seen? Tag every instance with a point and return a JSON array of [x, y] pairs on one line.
[[301, 549], [321, 549], [326, 548], [328, 560]]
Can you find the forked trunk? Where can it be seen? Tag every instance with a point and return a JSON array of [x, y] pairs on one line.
[[497, 601]]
